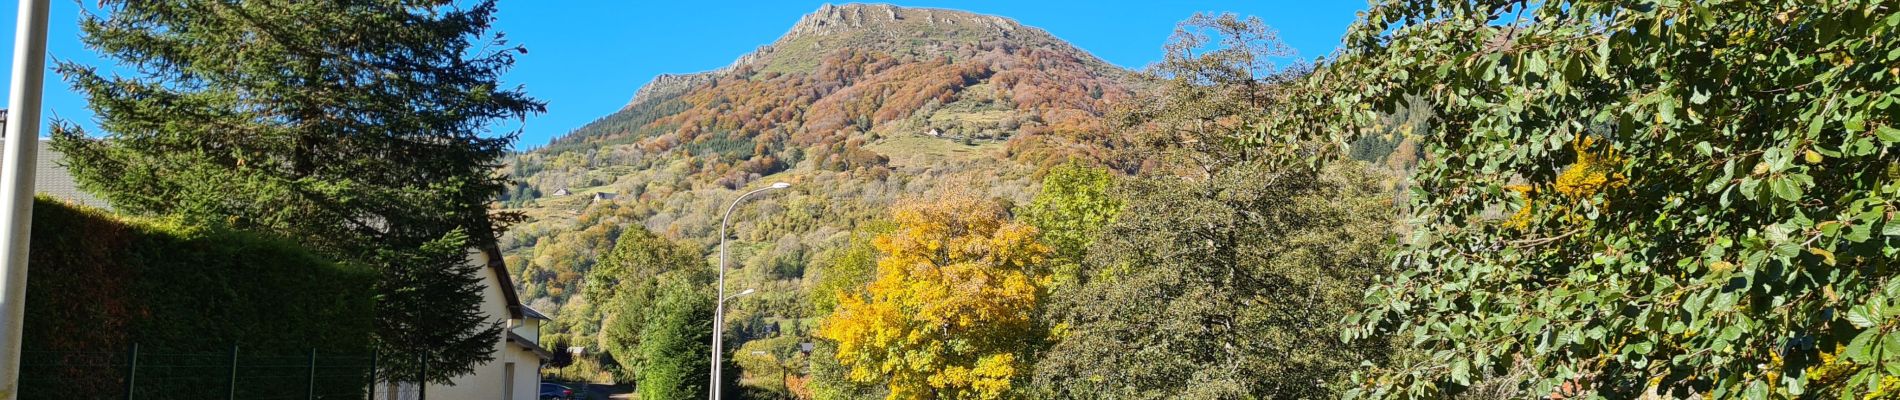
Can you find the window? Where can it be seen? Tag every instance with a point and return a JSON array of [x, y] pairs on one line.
[[508, 383]]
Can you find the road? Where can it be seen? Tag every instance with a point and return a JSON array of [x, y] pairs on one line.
[[607, 392]]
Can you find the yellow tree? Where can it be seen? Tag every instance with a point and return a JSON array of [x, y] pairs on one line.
[[950, 312]]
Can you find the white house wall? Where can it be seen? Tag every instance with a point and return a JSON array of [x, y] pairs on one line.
[[490, 381]]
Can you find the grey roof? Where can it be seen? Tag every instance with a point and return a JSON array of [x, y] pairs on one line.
[[51, 178], [530, 312]]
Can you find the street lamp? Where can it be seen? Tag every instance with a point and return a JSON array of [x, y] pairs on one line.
[[719, 309], [746, 292]]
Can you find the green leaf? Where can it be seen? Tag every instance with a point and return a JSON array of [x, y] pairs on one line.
[[1785, 188], [1461, 371], [1890, 347], [1858, 316], [1640, 348], [1860, 349], [1887, 134], [1757, 391]]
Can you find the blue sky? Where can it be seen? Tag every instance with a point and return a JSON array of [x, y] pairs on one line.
[[586, 58]]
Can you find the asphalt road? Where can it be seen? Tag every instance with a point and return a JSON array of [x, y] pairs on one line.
[[607, 392]]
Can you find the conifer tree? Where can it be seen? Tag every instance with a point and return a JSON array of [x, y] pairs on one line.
[[361, 128]]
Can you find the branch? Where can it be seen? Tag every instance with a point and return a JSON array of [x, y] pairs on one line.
[[1542, 241]]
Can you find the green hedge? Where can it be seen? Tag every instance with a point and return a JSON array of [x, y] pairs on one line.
[[186, 295]]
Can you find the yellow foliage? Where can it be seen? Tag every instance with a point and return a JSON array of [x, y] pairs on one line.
[[1593, 172], [1522, 218], [1832, 368], [956, 288], [1721, 266]]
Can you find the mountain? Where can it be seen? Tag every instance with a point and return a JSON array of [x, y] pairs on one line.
[[857, 105]]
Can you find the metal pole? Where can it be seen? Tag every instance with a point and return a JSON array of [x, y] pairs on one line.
[[372, 373], [311, 393], [231, 393], [719, 305], [132, 373], [422, 380], [16, 184]]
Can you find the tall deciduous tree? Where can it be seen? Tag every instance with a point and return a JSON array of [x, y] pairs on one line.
[[1229, 287], [1228, 270], [1074, 205], [950, 312], [1218, 81], [360, 128]]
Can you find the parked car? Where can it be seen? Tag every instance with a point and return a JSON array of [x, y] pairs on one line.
[[555, 391]]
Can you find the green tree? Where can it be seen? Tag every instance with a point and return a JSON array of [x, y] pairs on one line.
[[839, 274], [627, 280], [1635, 198], [358, 128], [676, 344], [1218, 81], [845, 270], [1227, 270], [1229, 287], [1074, 205], [438, 273]]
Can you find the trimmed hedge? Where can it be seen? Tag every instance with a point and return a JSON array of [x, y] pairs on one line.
[[185, 294]]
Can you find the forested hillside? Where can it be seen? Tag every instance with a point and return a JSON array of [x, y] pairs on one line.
[[857, 106]]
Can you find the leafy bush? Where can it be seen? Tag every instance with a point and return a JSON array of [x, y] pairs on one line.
[[1670, 198], [100, 283]]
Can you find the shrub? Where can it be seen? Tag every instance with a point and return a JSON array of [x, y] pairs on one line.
[[100, 283]]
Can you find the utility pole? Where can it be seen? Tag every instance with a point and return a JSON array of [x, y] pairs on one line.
[[16, 184]]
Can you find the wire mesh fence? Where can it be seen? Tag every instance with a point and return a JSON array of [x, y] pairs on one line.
[[233, 374]]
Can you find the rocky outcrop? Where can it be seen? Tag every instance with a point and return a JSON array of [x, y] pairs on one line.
[[831, 19], [667, 85]]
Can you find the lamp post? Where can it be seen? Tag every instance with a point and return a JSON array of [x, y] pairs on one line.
[[719, 309]]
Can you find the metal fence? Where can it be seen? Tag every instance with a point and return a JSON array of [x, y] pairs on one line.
[[235, 374]]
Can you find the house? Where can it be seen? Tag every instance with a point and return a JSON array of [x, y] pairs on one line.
[[515, 373], [603, 196], [51, 178], [561, 192], [934, 133]]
